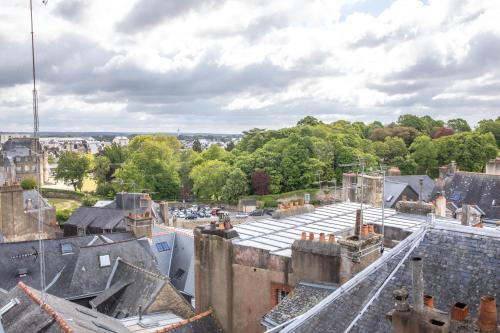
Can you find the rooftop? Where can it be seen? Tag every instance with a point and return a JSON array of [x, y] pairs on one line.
[[459, 265], [277, 236]]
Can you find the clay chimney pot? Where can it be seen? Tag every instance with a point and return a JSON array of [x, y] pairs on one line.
[[331, 238], [429, 301], [303, 236], [487, 314], [364, 230], [460, 311], [311, 236], [322, 237]]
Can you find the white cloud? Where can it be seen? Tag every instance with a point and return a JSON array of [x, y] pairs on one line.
[[226, 65]]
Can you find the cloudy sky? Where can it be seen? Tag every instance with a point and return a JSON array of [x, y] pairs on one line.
[[225, 66]]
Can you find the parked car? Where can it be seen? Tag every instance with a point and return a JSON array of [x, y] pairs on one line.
[[241, 215], [257, 212], [191, 216]]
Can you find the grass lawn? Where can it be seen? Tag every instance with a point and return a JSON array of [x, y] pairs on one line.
[[64, 204]]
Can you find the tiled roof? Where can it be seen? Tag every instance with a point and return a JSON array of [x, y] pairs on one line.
[[460, 264], [201, 323]]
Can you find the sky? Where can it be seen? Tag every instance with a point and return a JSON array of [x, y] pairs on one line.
[[224, 66]]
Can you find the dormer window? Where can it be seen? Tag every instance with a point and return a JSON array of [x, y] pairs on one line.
[[66, 248], [104, 261]]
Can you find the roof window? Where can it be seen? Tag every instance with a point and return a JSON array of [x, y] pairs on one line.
[[162, 247], [104, 260], [66, 248], [179, 273], [389, 198]]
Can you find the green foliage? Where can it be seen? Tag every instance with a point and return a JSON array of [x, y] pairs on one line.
[[28, 184], [197, 146], [269, 202], [309, 120], [89, 200], [63, 215], [236, 185], [215, 153], [72, 169], [458, 125], [424, 153], [209, 178], [102, 168], [490, 126], [470, 150]]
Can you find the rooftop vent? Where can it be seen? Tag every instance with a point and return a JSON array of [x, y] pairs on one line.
[[104, 260], [22, 272]]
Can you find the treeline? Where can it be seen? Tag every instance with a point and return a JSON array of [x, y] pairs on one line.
[[288, 159]]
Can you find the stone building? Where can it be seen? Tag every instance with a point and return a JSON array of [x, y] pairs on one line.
[[21, 152], [20, 212], [459, 265], [243, 272], [493, 167]]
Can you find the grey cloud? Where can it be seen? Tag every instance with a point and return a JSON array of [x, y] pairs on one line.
[[71, 10], [148, 13]]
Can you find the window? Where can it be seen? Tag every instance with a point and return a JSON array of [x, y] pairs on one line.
[[66, 248], [495, 202], [456, 196], [104, 260], [278, 292], [163, 246], [389, 198], [179, 273]]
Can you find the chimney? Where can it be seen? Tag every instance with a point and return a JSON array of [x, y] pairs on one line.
[[359, 223], [440, 205], [393, 171], [421, 187], [322, 237], [164, 212], [331, 238], [429, 301], [140, 224], [311, 236], [418, 283], [487, 320], [303, 236], [460, 311], [465, 214], [401, 298]]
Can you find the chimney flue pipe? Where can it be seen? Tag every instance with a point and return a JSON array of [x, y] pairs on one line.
[[418, 283]]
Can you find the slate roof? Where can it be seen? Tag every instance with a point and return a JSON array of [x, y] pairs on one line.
[[131, 290], [475, 189], [460, 264], [95, 219], [178, 262], [73, 274], [393, 191], [29, 316], [302, 298], [414, 181]]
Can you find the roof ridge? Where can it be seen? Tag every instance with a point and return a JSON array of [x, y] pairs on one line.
[[46, 307], [156, 275], [185, 321], [114, 242]]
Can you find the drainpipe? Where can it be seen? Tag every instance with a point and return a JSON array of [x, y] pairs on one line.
[[418, 283]]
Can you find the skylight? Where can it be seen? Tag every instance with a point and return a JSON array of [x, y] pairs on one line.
[[66, 248], [104, 260], [389, 198], [163, 246]]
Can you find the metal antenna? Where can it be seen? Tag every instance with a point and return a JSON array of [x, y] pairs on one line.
[[38, 170]]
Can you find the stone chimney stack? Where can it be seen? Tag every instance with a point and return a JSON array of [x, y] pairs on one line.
[[164, 212], [140, 224], [465, 218]]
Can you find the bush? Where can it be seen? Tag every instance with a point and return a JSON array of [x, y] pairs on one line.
[[89, 200], [315, 202], [28, 184], [63, 215], [269, 202]]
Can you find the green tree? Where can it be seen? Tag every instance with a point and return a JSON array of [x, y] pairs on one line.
[[309, 121], [215, 152], [236, 186], [72, 169], [458, 125], [28, 184], [424, 153], [102, 169], [197, 146], [490, 126], [209, 178], [230, 146]]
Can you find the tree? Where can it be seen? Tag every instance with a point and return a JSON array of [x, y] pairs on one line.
[[215, 152], [490, 126], [410, 120], [260, 182], [442, 131], [197, 146], [72, 169], [209, 178], [236, 186], [28, 184], [102, 170], [458, 125], [230, 146], [424, 153], [308, 121]]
